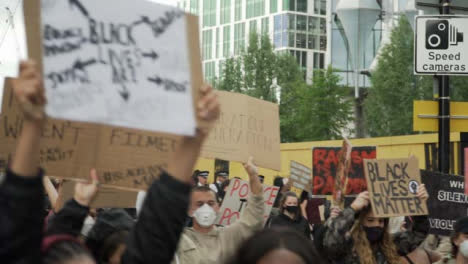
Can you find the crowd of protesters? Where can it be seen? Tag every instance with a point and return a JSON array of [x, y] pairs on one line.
[[175, 219]]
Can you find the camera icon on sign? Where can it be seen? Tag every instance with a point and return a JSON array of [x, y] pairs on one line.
[[440, 34]]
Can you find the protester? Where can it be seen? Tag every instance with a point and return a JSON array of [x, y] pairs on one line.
[[290, 215], [202, 178], [224, 187], [459, 243], [357, 236], [277, 246], [207, 243], [220, 177], [21, 191]]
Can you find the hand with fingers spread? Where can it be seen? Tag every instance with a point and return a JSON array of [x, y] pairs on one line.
[[86, 192], [28, 89], [361, 201], [208, 109], [422, 192], [252, 170]]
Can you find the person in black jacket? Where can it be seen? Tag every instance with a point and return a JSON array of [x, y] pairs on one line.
[[290, 215], [156, 233]]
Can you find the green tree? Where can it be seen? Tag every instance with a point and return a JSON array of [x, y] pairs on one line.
[[388, 108], [231, 79]]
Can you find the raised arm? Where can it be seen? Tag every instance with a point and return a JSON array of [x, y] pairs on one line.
[[21, 192], [162, 218]]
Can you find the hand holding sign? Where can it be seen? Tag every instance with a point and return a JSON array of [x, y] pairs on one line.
[[252, 170], [361, 201], [29, 91], [422, 193], [86, 192], [208, 108]]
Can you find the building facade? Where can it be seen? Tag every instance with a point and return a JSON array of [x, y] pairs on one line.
[[295, 26]]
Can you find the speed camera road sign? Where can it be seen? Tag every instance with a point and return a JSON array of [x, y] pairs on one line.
[[441, 45]]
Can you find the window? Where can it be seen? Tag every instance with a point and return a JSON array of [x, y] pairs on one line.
[[312, 41], [226, 41], [301, 41], [218, 40], [291, 39], [277, 40], [207, 38], [301, 6], [209, 71], [238, 10], [301, 23], [277, 23], [285, 39], [252, 26], [295, 5], [209, 13], [323, 26], [225, 12], [323, 43], [265, 25], [255, 8], [239, 38], [289, 5], [194, 7], [292, 24], [319, 60], [221, 68], [273, 6], [313, 25], [323, 7]]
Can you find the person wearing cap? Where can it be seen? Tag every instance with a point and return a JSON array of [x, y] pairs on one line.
[[220, 177], [202, 178], [262, 178], [459, 243]]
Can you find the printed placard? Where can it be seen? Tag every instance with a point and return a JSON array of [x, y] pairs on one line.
[[300, 176], [392, 186], [325, 162], [447, 201], [236, 200]]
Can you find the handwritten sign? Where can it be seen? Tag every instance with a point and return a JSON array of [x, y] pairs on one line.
[[236, 200], [107, 197], [325, 162], [446, 202], [392, 186], [300, 176], [118, 62], [466, 170], [247, 127]]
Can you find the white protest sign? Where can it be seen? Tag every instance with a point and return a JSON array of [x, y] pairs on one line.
[[236, 200], [118, 62], [440, 45], [301, 176]]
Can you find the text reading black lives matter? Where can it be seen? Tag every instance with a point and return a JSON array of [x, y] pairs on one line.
[[393, 189], [123, 62]]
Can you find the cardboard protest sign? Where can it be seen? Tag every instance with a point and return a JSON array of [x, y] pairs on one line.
[[392, 186], [466, 170], [107, 197], [446, 202], [247, 127], [300, 176], [117, 62], [236, 200], [341, 179], [325, 162]]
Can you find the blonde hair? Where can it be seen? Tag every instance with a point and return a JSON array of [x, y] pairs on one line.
[[362, 247]]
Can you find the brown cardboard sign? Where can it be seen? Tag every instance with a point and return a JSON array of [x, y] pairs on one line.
[[301, 176], [392, 186], [247, 127], [107, 197]]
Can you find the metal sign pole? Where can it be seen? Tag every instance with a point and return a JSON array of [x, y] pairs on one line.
[[444, 110]]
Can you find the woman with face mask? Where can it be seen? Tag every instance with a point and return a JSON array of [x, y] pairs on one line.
[[357, 236], [459, 243], [290, 215]]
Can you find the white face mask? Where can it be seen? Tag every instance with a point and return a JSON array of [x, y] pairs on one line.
[[205, 215], [88, 224], [464, 248]]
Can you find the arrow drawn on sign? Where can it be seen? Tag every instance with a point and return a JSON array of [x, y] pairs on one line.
[[81, 65], [80, 6], [153, 55], [155, 80], [124, 93]]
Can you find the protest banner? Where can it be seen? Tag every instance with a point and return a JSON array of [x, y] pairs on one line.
[[247, 127], [447, 201], [107, 197], [236, 200], [325, 162], [116, 62], [392, 186], [341, 179], [300, 176], [466, 170]]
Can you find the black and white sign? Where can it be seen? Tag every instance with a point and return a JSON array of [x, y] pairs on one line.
[[441, 45], [447, 201]]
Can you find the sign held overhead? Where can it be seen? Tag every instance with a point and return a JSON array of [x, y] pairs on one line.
[[441, 45]]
